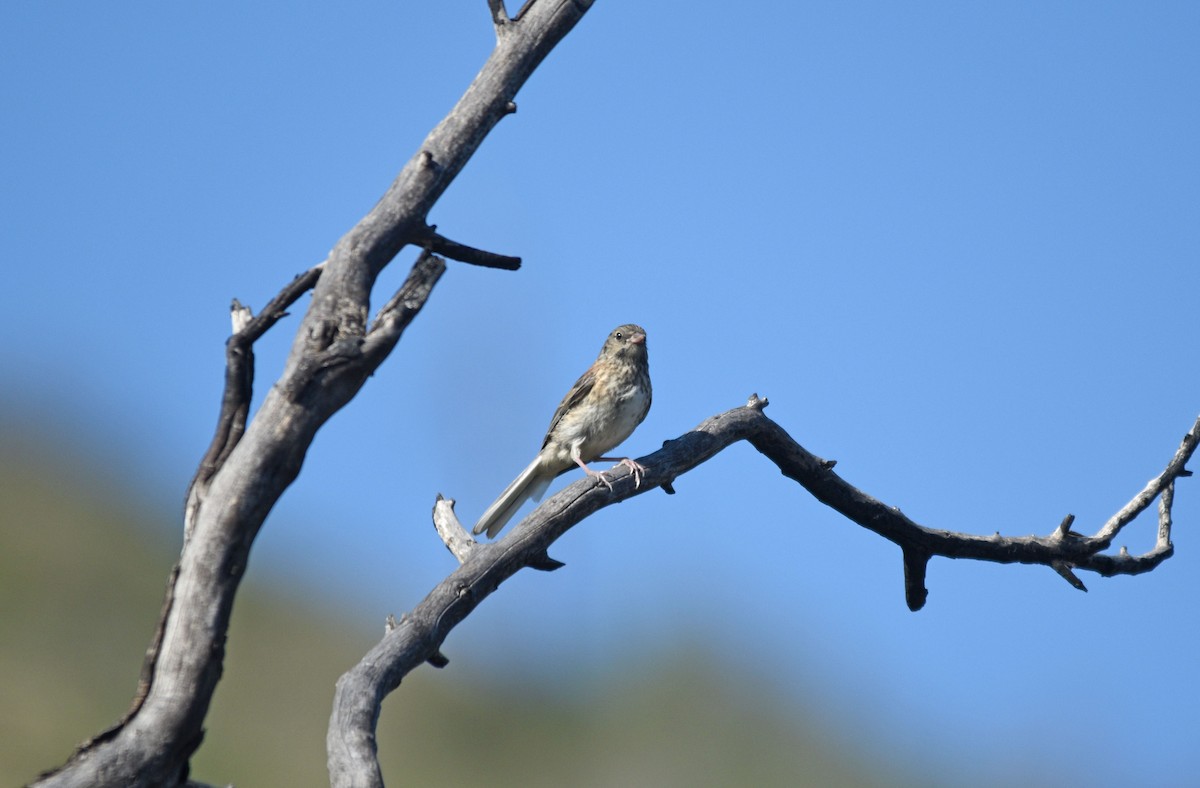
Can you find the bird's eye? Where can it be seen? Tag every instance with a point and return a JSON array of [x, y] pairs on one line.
[[619, 335]]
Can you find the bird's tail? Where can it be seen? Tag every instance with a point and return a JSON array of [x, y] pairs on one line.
[[532, 483]]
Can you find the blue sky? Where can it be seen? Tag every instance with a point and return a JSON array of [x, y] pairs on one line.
[[955, 244]]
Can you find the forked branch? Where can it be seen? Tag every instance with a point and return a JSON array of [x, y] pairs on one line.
[[418, 636], [239, 381], [251, 462]]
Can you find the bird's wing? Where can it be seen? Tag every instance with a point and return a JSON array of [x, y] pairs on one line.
[[578, 392]]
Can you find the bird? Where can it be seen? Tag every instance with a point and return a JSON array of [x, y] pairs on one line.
[[600, 411]]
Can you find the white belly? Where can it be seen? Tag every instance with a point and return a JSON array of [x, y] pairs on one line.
[[592, 430]]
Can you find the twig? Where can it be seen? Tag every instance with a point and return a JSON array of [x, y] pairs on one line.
[[403, 306], [453, 534], [466, 254], [239, 382]]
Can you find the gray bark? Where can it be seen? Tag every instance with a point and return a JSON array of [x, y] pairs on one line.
[[418, 635], [249, 466]]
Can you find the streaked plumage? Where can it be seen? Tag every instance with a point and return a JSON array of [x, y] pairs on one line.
[[600, 411]]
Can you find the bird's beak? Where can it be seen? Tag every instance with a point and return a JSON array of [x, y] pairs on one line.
[[637, 339]]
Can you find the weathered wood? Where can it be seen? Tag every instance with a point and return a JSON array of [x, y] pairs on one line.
[[249, 465], [419, 634]]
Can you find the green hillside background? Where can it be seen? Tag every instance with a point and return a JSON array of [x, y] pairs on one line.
[[82, 570]]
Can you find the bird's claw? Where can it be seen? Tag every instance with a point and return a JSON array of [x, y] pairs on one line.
[[635, 468]]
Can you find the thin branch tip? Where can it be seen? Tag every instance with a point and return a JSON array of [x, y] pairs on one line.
[[240, 316], [916, 601], [544, 563], [439, 244], [1063, 568], [916, 564], [458, 541]]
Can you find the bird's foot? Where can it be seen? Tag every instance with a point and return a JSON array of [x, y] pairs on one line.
[[635, 468], [602, 476]]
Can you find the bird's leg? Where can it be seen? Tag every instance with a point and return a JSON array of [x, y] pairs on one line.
[[598, 474]]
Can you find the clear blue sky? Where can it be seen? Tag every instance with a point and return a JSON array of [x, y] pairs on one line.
[[957, 245]]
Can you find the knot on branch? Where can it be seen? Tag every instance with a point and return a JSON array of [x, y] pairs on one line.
[[757, 403]]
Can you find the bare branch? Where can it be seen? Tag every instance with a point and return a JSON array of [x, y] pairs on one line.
[[466, 254], [1153, 488], [419, 635], [338, 310], [399, 311], [1064, 528], [916, 563], [250, 464], [239, 382], [240, 316], [1125, 564], [277, 307], [1064, 570], [457, 539], [1165, 501]]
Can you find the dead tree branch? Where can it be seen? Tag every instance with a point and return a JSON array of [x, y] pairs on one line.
[[251, 463], [418, 636], [466, 254], [239, 381]]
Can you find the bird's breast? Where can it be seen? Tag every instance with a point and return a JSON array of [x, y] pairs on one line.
[[603, 420]]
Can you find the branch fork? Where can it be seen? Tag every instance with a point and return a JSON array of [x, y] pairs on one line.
[[251, 462]]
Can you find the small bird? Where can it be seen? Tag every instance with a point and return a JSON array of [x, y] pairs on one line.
[[599, 412]]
